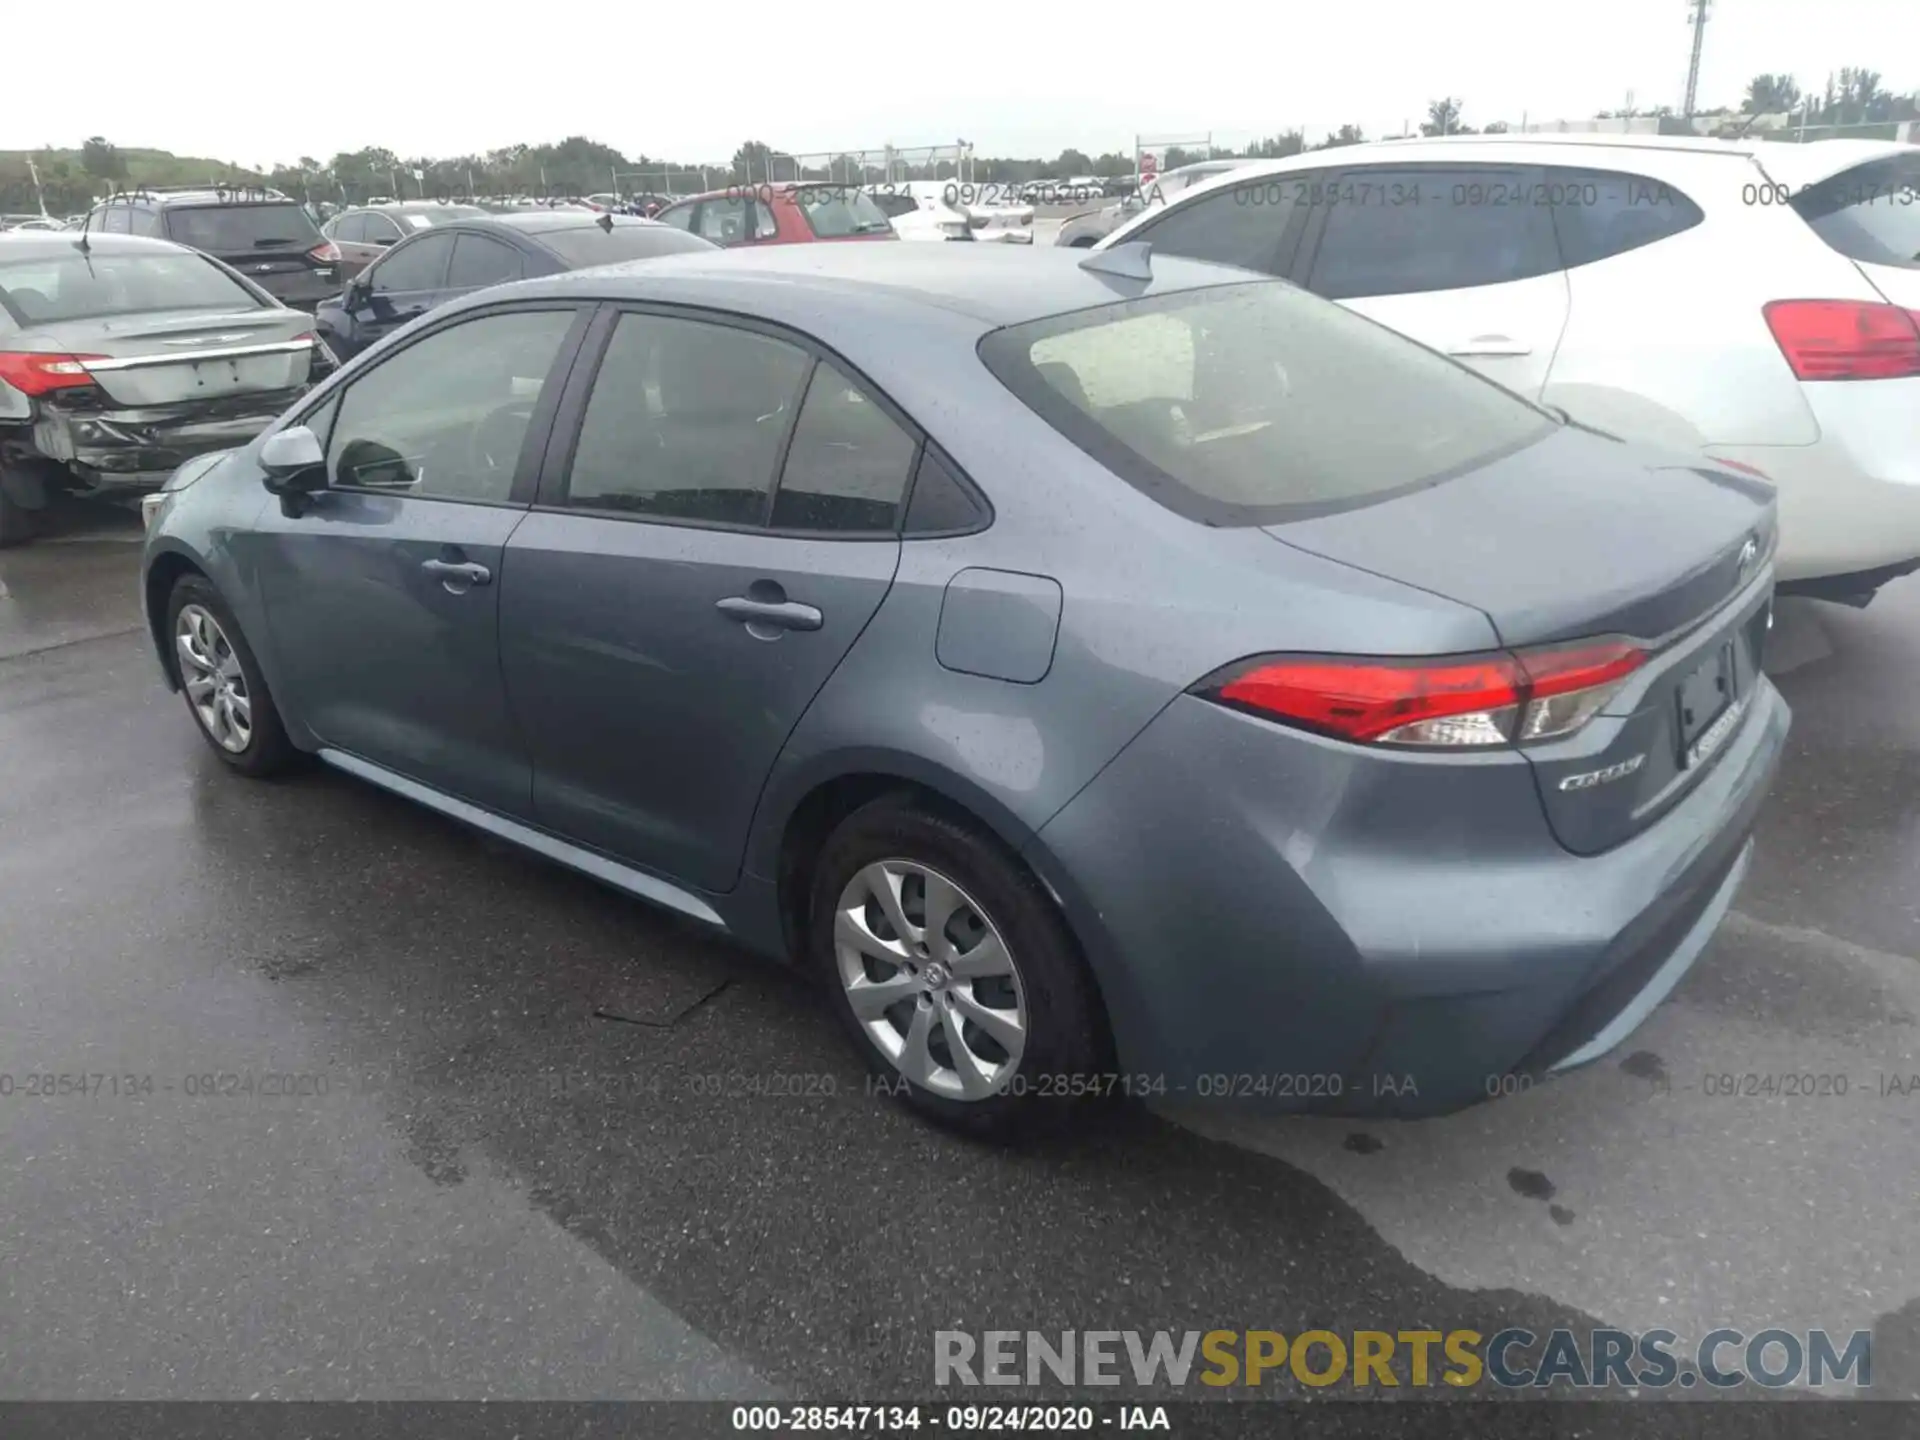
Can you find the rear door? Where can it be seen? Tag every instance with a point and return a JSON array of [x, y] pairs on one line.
[[667, 617], [408, 281], [384, 593], [1462, 258]]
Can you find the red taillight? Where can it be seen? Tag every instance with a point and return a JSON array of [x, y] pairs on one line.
[[1744, 468], [1476, 700], [32, 373], [1846, 339], [325, 253]]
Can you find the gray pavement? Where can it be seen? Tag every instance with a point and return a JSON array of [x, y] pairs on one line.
[[518, 1184]]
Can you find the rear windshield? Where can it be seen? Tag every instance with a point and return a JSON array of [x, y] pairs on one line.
[[1869, 213], [242, 229], [590, 245], [73, 286], [1249, 404], [836, 212]]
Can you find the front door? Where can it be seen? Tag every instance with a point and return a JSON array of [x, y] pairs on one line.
[[666, 616], [384, 595], [402, 286]]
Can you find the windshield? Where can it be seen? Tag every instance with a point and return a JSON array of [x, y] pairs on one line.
[[1870, 213], [590, 245], [236, 229], [837, 212], [72, 286], [1247, 404]]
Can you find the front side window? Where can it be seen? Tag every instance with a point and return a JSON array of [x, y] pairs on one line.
[[419, 266], [1404, 230], [848, 464], [73, 286], [1250, 404], [446, 417], [686, 421]]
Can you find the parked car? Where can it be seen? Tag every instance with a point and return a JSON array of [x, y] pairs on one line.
[[1757, 302], [1084, 667], [1152, 192], [782, 214], [266, 236], [919, 212], [122, 359], [362, 236], [997, 213], [28, 222], [458, 257]]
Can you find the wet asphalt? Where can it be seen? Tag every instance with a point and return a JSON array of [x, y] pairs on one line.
[[520, 1155]]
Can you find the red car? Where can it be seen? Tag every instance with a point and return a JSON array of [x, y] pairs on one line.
[[783, 214]]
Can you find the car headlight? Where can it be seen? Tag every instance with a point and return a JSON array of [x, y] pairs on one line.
[[195, 469]]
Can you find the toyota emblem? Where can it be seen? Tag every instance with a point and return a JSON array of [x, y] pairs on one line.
[[1749, 553]]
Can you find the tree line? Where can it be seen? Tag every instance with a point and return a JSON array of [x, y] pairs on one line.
[[69, 180]]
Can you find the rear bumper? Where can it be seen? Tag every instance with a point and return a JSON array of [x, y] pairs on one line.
[[137, 449], [1297, 924]]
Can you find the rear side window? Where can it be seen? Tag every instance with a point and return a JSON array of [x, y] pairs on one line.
[[848, 464], [1603, 213], [479, 261], [1406, 230], [894, 206], [242, 229], [686, 422], [1870, 213], [1249, 404]]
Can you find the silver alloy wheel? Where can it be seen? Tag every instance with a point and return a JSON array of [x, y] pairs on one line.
[[930, 979], [215, 684]]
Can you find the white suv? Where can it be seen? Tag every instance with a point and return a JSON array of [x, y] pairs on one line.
[[1758, 301]]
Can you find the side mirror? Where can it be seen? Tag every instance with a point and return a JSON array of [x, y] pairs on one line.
[[293, 461]]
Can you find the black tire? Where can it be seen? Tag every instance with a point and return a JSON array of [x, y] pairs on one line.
[[1065, 1033], [267, 751], [18, 524]]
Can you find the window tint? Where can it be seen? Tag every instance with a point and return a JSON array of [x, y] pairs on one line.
[[1246, 404], [724, 222], [1401, 231], [480, 261], [72, 286], [848, 464], [1869, 213], [419, 266], [1243, 225], [243, 229], [686, 421], [590, 245], [445, 418], [941, 502], [1600, 213]]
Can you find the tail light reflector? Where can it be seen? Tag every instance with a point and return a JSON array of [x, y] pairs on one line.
[[1500, 698], [325, 253], [33, 373], [1846, 339]]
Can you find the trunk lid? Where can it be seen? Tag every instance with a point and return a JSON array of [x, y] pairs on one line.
[[1578, 537], [171, 357]]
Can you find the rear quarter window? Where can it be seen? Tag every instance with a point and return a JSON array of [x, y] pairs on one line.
[[1870, 213], [1251, 404], [1598, 214]]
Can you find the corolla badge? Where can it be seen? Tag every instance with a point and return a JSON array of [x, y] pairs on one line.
[[1588, 779]]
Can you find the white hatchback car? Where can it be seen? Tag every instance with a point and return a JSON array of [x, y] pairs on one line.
[[1758, 301]]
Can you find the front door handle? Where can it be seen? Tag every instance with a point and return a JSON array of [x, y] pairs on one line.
[[457, 576], [1489, 345], [776, 614]]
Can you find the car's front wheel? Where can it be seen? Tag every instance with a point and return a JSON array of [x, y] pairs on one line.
[[221, 681], [953, 974]]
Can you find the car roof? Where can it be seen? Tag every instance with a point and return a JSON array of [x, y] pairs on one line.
[[413, 207], [988, 285], [1813, 159], [39, 244], [536, 222]]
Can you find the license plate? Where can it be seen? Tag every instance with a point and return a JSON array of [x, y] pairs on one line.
[[1705, 699]]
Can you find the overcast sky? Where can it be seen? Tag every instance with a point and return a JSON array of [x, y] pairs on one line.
[[1016, 77]]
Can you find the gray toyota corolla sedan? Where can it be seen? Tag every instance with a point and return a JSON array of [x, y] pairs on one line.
[[1111, 675]]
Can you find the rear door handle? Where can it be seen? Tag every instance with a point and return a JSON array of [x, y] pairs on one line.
[[457, 575], [1489, 345], [783, 614]]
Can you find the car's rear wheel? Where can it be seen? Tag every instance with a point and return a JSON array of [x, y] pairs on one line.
[[224, 690], [952, 973]]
